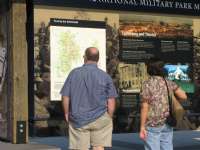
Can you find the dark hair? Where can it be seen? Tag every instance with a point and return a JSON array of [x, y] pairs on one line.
[[92, 56], [155, 67]]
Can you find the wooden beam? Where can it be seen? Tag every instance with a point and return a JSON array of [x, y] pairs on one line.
[[19, 68]]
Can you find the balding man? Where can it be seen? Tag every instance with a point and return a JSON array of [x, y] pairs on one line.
[[88, 97]]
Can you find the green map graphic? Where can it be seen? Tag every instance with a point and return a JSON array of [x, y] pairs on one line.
[[69, 53]]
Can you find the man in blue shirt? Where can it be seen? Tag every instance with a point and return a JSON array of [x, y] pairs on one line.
[[88, 97]]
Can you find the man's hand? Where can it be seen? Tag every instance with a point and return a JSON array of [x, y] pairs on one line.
[[67, 118], [143, 134], [111, 106], [110, 114], [65, 103]]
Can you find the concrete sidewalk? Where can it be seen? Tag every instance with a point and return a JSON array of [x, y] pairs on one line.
[[36, 146], [183, 140]]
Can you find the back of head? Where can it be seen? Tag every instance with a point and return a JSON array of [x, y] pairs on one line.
[[155, 67], [92, 54]]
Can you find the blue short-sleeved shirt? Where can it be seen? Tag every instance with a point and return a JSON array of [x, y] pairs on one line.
[[88, 88]]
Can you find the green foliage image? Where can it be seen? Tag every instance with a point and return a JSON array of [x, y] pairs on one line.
[[69, 53]]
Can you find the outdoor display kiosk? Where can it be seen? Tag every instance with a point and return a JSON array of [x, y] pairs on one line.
[[54, 35], [127, 33]]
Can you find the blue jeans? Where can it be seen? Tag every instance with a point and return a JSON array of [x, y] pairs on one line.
[[159, 138]]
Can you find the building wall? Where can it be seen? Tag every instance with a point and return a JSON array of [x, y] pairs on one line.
[[44, 108]]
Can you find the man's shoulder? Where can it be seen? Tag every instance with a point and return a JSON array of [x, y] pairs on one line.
[[104, 74], [75, 71]]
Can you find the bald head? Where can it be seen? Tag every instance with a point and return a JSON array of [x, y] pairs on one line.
[[92, 54]]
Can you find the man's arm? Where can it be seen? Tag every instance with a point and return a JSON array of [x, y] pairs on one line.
[[65, 103], [111, 106], [143, 118]]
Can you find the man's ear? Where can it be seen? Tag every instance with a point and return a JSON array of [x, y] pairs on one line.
[[85, 58]]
